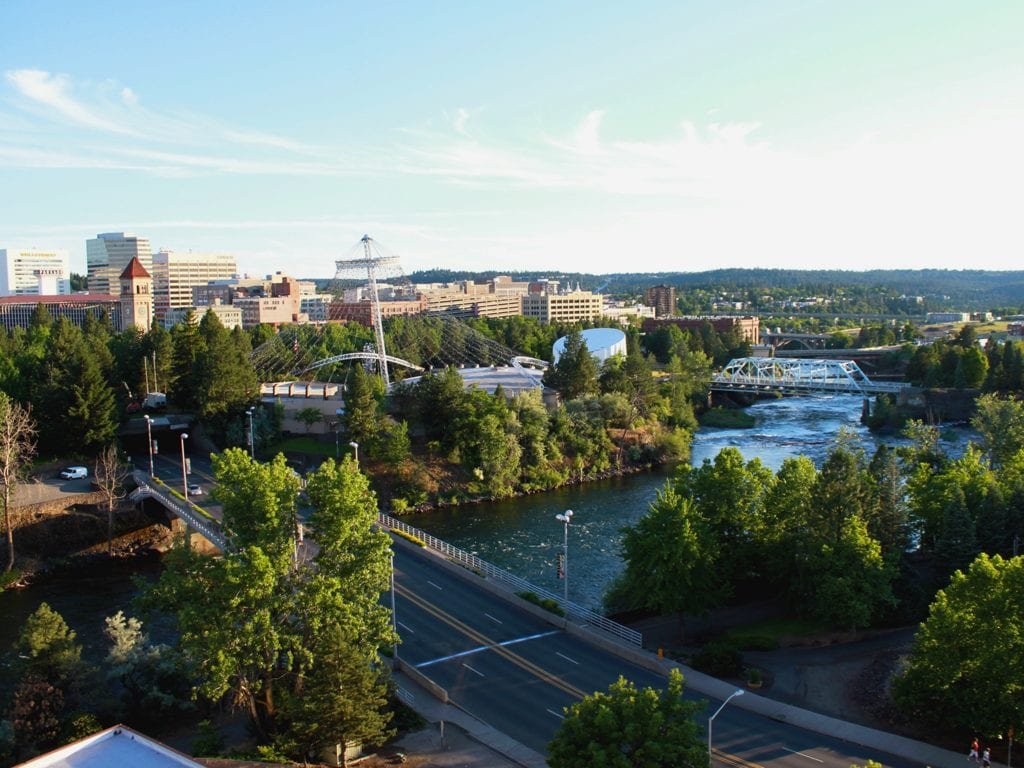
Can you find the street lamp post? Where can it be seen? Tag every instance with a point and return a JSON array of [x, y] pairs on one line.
[[394, 616], [355, 449], [711, 720], [184, 474], [566, 518], [149, 441], [252, 442]]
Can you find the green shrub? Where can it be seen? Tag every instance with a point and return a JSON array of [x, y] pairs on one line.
[[754, 676], [754, 642], [718, 659], [409, 537], [208, 742], [549, 605], [9, 577]]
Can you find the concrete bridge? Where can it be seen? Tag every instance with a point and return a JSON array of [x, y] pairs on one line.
[[194, 517], [799, 377]]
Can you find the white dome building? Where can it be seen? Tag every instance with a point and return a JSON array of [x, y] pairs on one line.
[[602, 343]]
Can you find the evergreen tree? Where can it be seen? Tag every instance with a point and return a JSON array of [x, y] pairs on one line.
[[363, 395], [188, 345], [575, 373]]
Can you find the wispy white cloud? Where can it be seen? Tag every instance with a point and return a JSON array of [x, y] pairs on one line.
[[53, 93]]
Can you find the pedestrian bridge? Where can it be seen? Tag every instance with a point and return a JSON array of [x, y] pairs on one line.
[[793, 376]]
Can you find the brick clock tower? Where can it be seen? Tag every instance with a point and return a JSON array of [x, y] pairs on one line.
[[136, 296]]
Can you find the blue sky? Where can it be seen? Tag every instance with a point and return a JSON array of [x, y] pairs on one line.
[[541, 136]]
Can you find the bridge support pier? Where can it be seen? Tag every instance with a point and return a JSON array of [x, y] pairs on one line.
[[865, 411]]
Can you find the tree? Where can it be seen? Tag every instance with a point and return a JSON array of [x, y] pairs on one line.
[[93, 408], [575, 373], [670, 558], [968, 656], [309, 417], [254, 621], [152, 678], [625, 727], [852, 580], [110, 473], [1001, 424], [51, 650], [35, 714], [17, 446], [362, 405]]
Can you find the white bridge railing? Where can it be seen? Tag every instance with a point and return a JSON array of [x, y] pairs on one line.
[[573, 611], [207, 526]]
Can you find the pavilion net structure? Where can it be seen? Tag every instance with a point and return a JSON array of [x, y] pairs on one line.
[[297, 352]]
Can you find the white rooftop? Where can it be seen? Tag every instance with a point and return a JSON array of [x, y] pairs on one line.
[[511, 379], [117, 746]]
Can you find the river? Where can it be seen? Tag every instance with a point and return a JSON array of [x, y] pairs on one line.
[[522, 535]]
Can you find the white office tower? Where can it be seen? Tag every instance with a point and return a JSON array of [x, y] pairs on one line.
[[175, 274], [38, 271], [107, 256]]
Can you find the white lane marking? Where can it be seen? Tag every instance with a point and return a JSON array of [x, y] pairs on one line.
[[433, 585], [472, 670], [403, 626], [809, 757], [498, 621], [485, 648], [560, 717], [566, 657]]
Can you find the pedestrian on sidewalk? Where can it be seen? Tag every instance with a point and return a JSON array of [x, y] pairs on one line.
[[973, 754], [986, 758]]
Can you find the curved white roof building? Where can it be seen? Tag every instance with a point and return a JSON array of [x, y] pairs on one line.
[[601, 342]]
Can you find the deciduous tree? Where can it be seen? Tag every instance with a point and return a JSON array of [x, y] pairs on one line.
[[631, 728], [967, 664], [17, 446]]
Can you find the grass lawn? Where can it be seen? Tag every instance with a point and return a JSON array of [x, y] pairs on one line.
[[775, 629], [308, 445]]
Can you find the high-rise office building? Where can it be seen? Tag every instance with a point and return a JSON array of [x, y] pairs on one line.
[[176, 274], [38, 271], [108, 254]]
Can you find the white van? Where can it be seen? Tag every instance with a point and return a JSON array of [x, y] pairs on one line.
[[74, 473]]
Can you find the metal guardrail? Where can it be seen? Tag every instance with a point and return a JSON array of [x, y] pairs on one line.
[[572, 610], [207, 526]]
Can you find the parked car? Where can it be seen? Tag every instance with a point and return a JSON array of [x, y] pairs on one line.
[[195, 490], [74, 473]]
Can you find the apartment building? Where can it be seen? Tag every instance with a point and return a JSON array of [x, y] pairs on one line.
[[562, 307], [748, 329], [108, 254], [362, 311], [662, 298], [229, 315], [38, 271], [176, 273]]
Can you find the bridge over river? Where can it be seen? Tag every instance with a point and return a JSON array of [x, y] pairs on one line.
[[800, 377]]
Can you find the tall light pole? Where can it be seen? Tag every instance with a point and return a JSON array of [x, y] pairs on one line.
[[149, 441], [711, 720], [565, 517], [252, 442], [184, 474], [355, 449], [394, 616]]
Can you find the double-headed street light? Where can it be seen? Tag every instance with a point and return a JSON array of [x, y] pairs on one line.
[[149, 440], [711, 720], [184, 473], [566, 518]]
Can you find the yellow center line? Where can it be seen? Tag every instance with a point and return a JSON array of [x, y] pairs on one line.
[[734, 760], [483, 639]]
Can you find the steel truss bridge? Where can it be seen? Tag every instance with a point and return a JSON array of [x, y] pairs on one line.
[[795, 376]]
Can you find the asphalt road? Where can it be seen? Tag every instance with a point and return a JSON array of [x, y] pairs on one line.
[[517, 673]]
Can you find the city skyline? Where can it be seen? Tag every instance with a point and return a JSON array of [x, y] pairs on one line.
[[568, 137]]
